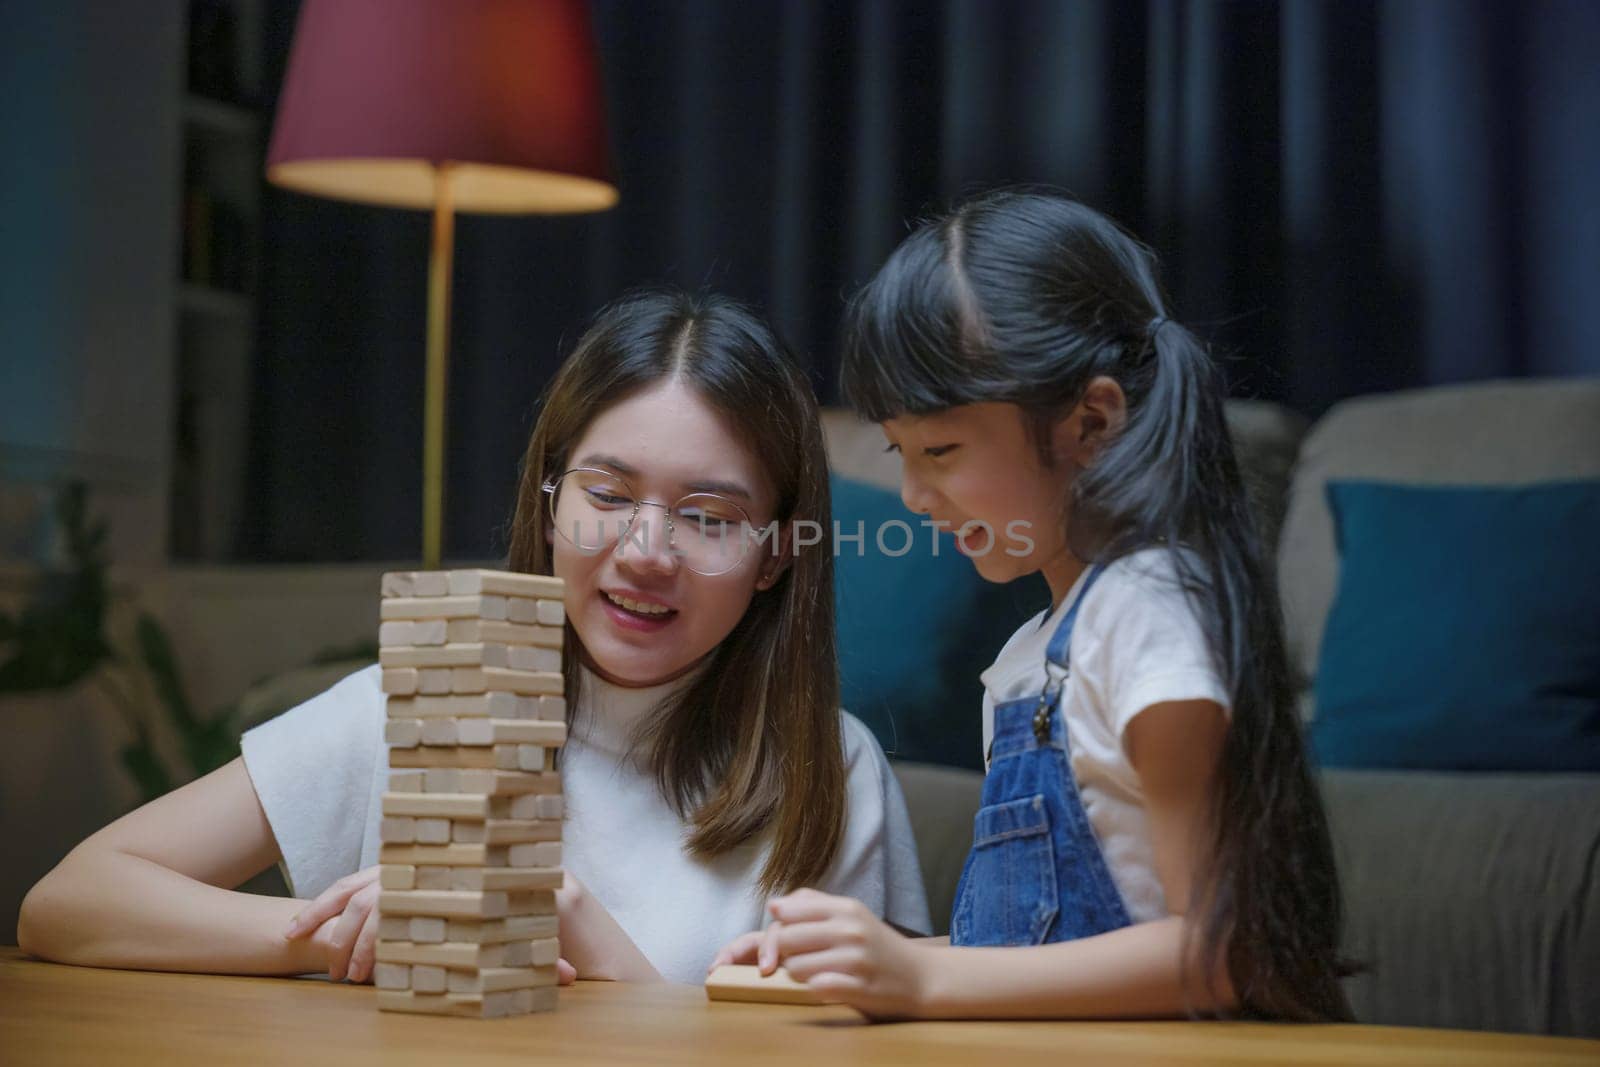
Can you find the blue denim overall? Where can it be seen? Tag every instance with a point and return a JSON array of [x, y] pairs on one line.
[[1035, 873]]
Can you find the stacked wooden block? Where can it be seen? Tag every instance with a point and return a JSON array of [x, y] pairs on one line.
[[471, 829]]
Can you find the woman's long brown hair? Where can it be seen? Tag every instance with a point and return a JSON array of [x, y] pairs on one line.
[[754, 743]]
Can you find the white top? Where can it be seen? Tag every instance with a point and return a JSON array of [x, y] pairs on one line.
[[1136, 642], [320, 770]]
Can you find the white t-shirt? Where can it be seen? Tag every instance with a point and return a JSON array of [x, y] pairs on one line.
[[1136, 642], [320, 770]]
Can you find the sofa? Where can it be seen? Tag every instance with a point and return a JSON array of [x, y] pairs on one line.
[[1472, 898]]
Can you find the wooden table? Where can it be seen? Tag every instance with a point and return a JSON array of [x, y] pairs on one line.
[[51, 1014]]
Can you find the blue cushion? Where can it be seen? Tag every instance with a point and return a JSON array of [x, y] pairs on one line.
[[1465, 632], [916, 630]]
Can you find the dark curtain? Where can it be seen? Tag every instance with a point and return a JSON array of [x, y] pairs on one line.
[[1349, 196]]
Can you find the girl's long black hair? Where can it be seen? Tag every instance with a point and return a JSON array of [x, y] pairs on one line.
[[1024, 297]]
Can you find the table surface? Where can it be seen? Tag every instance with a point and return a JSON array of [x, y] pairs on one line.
[[53, 1014]]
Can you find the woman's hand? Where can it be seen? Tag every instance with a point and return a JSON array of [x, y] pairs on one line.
[[343, 920], [836, 946]]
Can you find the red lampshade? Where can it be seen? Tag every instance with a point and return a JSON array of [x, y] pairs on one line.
[[379, 92]]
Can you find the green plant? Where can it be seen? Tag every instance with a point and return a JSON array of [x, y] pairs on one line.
[[59, 639]]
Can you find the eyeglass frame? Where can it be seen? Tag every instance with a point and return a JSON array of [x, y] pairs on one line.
[[551, 485]]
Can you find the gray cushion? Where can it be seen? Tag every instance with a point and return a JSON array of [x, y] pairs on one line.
[[1475, 898], [1495, 433]]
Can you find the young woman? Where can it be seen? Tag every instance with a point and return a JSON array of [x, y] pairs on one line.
[[708, 765]]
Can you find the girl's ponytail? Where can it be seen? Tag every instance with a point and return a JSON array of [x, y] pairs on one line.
[[1266, 906]]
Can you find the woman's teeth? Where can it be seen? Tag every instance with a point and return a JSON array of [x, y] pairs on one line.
[[634, 605]]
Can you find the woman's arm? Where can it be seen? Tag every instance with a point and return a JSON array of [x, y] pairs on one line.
[[838, 948], [594, 942], [151, 891]]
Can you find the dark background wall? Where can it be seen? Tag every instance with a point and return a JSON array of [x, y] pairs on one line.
[[1348, 196]]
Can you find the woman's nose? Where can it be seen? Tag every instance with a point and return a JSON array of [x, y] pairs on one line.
[[646, 544]]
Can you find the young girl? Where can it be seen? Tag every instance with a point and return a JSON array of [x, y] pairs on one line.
[[707, 765], [1149, 822]]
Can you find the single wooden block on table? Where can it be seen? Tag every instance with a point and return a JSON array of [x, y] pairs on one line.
[[740, 982]]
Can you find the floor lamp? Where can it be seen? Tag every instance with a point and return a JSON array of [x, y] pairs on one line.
[[489, 106]]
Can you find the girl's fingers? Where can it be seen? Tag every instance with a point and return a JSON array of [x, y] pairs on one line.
[[741, 949], [365, 951], [329, 902], [343, 938], [847, 961], [802, 938], [810, 906], [767, 953], [566, 973]]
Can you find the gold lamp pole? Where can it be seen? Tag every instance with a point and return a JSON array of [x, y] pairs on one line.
[[441, 260]]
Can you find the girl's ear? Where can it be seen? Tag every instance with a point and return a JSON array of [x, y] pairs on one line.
[[776, 560], [1099, 415]]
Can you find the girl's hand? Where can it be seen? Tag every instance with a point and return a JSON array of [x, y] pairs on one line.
[[839, 948], [344, 921], [742, 949]]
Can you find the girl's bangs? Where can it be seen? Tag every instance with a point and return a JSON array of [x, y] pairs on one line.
[[903, 350]]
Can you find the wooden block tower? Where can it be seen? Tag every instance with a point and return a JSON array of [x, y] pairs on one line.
[[471, 831]]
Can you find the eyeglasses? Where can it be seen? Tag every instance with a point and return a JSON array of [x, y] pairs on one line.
[[594, 510]]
